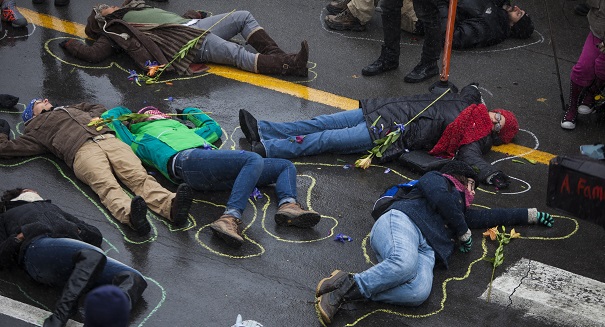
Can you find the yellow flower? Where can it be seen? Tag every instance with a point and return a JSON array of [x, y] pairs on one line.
[[514, 234], [364, 162], [492, 233]]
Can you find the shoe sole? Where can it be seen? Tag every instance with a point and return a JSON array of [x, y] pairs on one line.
[[243, 123], [342, 27], [138, 212], [366, 73], [183, 201], [230, 240], [305, 220], [332, 275]]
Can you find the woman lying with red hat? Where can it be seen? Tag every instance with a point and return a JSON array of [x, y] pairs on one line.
[[457, 125]]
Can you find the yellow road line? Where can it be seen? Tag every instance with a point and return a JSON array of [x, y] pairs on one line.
[[293, 89]]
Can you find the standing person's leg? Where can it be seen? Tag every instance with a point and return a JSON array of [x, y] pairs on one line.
[[282, 173], [398, 244], [391, 29], [362, 10], [427, 13], [582, 75]]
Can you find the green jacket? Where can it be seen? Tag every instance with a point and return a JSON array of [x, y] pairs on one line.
[[156, 141]]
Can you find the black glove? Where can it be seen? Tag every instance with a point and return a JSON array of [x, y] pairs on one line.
[[8, 101], [500, 180], [5, 128], [545, 219], [179, 111], [10, 248]]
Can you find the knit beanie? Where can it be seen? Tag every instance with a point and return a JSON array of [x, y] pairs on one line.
[[28, 113], [460, 168], [523, 28], [510, 128], [106, 306], [8, 101], [154, 112]]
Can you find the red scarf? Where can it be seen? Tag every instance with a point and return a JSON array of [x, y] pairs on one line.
[[471, 125]]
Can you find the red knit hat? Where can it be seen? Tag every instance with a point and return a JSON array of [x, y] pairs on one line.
[[511, 126]]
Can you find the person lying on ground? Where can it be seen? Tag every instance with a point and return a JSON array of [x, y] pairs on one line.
[[55, 248], [151, 34], [97, 158], [187, 155], [457, 125], [412, 234]]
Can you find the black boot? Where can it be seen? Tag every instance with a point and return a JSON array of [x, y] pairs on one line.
[[132, 284], [388, 60], [249, 126], [285, 64], [88, 265], [421, 72], [263, 43], [138, 216], [329, 303]]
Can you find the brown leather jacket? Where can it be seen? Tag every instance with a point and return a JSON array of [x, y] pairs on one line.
[[61, 132]]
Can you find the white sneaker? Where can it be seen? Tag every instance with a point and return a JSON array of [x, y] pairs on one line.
[[585, 110]]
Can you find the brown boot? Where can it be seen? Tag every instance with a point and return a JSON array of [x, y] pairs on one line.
[[263, 43], [344, 21], [226, 227], [337, 6], [294, 64], [292, 214]]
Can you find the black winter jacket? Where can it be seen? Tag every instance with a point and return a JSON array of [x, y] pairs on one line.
[[479, 23], [425, 130], [37, 219]]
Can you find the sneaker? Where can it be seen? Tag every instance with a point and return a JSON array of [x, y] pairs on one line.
[[138, 216], [337, 6], [328, 284], [226, 228], [585, 109], [249, 126], [11, 15], [181, 204], [292, 214], [344, 21], [569, 120]]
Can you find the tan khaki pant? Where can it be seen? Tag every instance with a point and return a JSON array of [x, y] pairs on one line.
[[364, 10], [97, 162]]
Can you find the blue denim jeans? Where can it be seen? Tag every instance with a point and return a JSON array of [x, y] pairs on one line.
[[343, 132], [404, 274], [216, 46], [238, 171], [50, 261]]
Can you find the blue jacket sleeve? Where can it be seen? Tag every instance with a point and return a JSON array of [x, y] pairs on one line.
[[121, 130], [444, 199], [206, 127]]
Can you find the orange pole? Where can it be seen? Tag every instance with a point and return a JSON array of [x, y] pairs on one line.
[[449, 35]]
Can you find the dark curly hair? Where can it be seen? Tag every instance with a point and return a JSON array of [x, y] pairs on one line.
[[7, 196]]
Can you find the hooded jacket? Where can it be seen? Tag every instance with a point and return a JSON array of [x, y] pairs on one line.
[[40, 219], [143, 42], [60, 131]]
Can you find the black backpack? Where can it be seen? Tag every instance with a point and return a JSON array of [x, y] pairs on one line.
[[392, 194]]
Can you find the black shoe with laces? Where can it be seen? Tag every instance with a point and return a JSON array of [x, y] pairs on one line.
[[138, 216], [181, 204], [422, 72]]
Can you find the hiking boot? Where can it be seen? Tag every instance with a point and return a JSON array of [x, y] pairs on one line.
[[138, 216], [422, 72], [337, 6], [329, 303], [569, 120], [344, 21], [328, 284], [258, 147], [292, 214], [249, 126], [226, 228], [181, 203], [11, 15], [388, 60]]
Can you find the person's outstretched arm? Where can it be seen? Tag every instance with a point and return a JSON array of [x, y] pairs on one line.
[[482, 218], [206, 127], [101, 49]]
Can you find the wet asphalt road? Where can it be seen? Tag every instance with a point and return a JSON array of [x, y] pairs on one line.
[[195, 280]]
